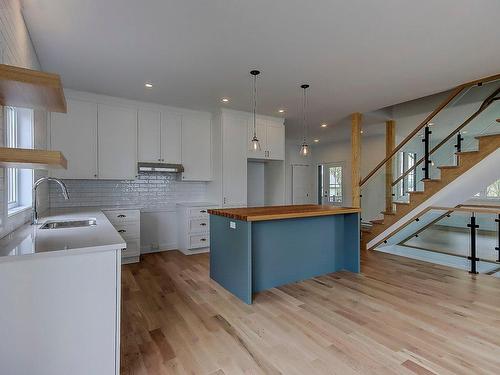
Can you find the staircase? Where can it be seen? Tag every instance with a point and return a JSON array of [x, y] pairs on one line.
[[466, 160], [479, 127]]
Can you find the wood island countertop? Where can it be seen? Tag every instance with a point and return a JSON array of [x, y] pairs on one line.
[[282, 212]]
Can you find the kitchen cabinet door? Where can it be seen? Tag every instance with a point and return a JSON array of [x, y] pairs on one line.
[[260, 127], [148, 136], [117, 142], [75, 134], [275, 142], [234, 160], [171, 124], [196, 148]]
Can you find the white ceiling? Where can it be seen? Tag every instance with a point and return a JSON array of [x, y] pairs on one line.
[[357, 55]]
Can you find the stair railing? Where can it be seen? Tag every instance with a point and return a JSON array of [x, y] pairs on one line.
[[470, 105]]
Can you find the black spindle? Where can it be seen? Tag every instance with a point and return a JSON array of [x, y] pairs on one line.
[[473, 258], [427, 162], [498, 238]]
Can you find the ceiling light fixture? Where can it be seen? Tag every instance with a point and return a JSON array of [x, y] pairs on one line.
[[304, 147], [316, 140], [224, 100], [281, 110], [324, 125], [255, 140], [149, 85]]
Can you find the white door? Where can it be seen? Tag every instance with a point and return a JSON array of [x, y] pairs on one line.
[[171, 124], [260, 129], [234, 161], [332, 184], [117, 142], [276, 142], [148, 137], [75, 134], [196, 148], [301, 184]]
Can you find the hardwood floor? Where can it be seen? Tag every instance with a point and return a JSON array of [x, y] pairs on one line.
[[400, 316]]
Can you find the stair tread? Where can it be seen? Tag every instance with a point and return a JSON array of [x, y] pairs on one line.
[[388, 213], [405, 203], [366, 230], [430, 180], [466, 152], [378, 221], [487, 136], [416, 192], [448, 167]]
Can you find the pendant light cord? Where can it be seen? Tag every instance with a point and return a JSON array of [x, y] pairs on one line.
[[304, 112], [254, 105]]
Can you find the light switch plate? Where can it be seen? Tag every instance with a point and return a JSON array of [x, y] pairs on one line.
[[232, 225]]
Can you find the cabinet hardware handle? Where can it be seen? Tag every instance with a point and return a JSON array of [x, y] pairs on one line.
[[122, 231], [203, 239], [203, 224], [203, 211], [121, 215], [95, 175], [123, 249]]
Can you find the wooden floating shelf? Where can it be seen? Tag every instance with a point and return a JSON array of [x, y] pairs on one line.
[[20, 87], [31, 159]]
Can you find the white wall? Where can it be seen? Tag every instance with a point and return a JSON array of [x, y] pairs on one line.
[[16, 49], [372, 152]]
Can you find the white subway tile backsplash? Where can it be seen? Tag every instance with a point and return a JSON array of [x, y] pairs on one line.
[[148, 190]]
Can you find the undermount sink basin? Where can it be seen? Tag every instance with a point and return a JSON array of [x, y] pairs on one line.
[[52, 224]]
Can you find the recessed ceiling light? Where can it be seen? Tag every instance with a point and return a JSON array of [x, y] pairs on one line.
[[324, 125], [281, 110], [361, 131], [148, 85], [316, 140], [224, 100]]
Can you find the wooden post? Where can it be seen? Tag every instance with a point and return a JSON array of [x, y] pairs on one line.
[[390, 144], [356, 158]]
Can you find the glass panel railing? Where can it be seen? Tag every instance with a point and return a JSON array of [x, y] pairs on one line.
[[472, 111], [465, 238]]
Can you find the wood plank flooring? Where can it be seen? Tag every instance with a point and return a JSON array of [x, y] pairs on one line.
[[400, 316]]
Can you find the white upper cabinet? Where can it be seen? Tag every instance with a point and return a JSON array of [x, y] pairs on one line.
[[171, 137], [234, 160], [275, 141], [117, 142], [148, 136], [271, 135], [196, 147], [75, 134]]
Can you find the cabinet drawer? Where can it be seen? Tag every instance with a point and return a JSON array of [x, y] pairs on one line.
[[128, 231], [198, 212], [199, 240], [132, 250], [198, 225], [121, 216]]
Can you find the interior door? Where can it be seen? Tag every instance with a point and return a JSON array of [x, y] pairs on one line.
[[332, 188], [301, 184]]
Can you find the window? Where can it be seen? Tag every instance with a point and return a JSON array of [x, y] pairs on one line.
[[335, 186], [18, 134], [407, 160], [491, 192], [330, 184]]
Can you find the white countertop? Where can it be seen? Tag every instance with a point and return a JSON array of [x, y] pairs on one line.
[[29, 240]]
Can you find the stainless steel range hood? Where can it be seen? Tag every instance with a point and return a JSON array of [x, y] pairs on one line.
[[159, 168]]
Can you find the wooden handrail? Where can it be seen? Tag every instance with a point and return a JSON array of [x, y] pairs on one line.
[[486, 103], [453, 94]]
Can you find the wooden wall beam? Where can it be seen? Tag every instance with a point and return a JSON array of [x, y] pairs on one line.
[[356, 119], [390, 144]]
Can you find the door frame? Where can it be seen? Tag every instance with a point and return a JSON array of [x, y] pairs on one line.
[[319, 180]]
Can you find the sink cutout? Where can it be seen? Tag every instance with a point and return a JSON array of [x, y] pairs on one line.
[[53, 224]]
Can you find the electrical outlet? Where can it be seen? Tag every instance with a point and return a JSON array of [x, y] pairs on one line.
[[232, 225]]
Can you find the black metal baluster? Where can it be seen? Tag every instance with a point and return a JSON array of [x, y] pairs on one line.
[[425, 168], [473, 258], [498, 238], [458, 145]]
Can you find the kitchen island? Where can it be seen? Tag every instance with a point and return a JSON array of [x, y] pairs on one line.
[[258, 248]]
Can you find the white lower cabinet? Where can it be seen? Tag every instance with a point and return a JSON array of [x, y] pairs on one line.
[[128, 224], [193, 227]]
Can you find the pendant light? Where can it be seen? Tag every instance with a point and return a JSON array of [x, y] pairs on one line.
[[304, 148], [255, 140]]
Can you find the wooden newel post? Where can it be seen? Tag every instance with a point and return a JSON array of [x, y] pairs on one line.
[[390, 144], [356, 158]]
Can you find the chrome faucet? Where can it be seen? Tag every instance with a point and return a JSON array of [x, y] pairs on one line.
[[34, 215]]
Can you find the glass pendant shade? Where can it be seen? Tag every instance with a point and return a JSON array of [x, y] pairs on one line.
[[255, 144], [304, 149]]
